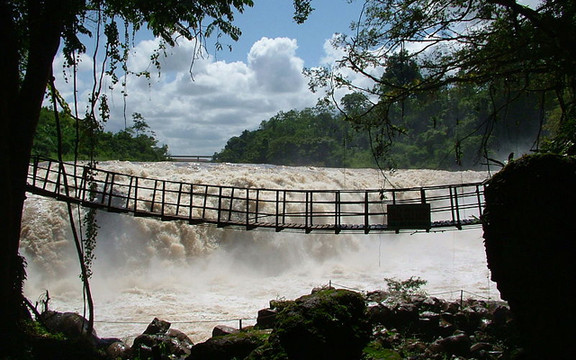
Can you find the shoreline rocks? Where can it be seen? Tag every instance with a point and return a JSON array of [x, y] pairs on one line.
[[343, 325]]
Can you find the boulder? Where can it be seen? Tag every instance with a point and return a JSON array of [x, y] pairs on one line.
[[458, 345], [433, 304], [529, 233], [429, 325], [328, 324], [266, 319], [118, 350], [501, 315], [227, 347], [381, 315], [157, 327], [451, 307], [479, 348], [180, 336], [222, 330], [467, 320], [406, 316], [158, 340], [72, 325]]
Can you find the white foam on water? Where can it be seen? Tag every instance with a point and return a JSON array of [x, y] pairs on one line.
[[199, 276]]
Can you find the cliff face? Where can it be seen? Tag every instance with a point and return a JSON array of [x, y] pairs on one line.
[[530, 239]]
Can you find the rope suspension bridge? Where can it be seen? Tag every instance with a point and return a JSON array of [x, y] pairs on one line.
[[335, 211]]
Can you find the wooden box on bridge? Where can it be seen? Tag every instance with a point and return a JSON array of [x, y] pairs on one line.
[[409, 216]]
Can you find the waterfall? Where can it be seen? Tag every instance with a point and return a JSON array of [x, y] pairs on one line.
[[200, 276]]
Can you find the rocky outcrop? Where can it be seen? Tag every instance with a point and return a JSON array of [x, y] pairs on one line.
[[337, 324], [236, 345], [72, 339], [327, 324], [430, 328], [158, 341], [341, 325], [530, 238], [71, 325]]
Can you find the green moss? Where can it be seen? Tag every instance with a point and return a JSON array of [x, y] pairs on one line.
[[35, 329], [328, 323], [249, 333], [375, 351]]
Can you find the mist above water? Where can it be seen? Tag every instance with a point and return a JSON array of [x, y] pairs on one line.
[[201, 276]]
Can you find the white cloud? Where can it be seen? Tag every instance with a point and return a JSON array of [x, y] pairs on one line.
[[332, 53], [276, 66], [197, 112]]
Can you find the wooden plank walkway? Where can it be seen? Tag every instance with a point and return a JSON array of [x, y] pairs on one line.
[[334, 211]]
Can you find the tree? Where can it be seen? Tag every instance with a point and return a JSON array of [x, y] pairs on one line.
[[32, 31], [499, 46]]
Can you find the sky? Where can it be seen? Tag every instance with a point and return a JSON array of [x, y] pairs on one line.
[[195, 112]]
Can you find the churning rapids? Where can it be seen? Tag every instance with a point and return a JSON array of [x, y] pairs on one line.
[[199, 276]]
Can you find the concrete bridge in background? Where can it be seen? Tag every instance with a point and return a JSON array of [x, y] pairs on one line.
[[333, 211], [191, 158]]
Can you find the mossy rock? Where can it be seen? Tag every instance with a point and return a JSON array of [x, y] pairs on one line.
[[328, 324]]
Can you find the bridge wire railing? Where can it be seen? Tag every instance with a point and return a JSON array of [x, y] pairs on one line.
[[454, 205]]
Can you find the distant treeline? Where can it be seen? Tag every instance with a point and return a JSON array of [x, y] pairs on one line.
[[135, 143], [454, 130]]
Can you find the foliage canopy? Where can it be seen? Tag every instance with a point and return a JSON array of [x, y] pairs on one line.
[[433, 132], [135, 143], [500, 46]]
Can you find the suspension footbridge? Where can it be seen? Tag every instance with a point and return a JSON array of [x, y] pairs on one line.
[[335, 211]]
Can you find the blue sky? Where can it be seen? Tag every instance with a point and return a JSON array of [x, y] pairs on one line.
[[227, 92], [273, 18]]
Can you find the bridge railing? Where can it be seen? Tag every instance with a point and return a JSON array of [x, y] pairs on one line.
[[308, 210]]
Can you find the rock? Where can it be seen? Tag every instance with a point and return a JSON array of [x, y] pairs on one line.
[[467, 320], [433, 304], [158, 340], [157, 327], [406, 316], [479, 347], [453, 345], [381, 315], [329, 324], [529, 232], [222, 330], [429, 325], [118, 350], [72, 325], [377, 296], [266, 318], [501, 315], [227, 347], [180, 336], [105, 342], [451, 307]]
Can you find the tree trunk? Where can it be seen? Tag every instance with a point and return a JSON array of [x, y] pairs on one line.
[[20, 102]]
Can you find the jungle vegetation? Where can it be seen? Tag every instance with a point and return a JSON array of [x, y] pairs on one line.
[[499, 58], [134, 143], [445, 130]]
